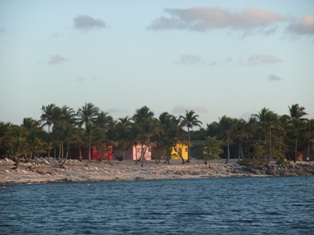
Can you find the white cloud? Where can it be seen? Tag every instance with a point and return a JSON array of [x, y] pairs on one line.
[[178, 109], [84, 79], [273, 77], [303, 26], [206, 18], [198, 109], [263, 59], [87, 22], [189, 59], [80, 79], [56, 59]]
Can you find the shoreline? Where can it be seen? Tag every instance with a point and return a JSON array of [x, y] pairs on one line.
[[127, 170]]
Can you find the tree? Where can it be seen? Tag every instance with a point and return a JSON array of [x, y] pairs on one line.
[[18, 145], [162, 138], [225, 128], [242, 132], [309, 134], [190, 120], [105, 122], [174, 134], [87, 114], [95, 136], [211, 149], [51, 114], [5, 137], [297, 121], [267, 120], [122, 132], [144, 124], [33, 134]]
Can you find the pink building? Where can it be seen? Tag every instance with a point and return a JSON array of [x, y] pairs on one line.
[[136, 151]]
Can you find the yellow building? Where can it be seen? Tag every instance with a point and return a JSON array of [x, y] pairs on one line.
[[182, 148]]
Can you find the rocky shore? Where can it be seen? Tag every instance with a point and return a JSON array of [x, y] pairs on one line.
[[75, 171]]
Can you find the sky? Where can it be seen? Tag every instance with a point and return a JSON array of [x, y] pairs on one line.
[[213, 57]]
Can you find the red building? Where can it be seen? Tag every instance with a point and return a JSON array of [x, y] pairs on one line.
[[96, 153]]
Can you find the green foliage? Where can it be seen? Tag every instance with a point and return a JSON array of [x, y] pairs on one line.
[[264, 137], [211, 149]]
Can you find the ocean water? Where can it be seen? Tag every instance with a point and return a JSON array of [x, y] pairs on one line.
[[278, 205]]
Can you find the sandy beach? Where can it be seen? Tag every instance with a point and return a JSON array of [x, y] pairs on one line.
[[75, 171]]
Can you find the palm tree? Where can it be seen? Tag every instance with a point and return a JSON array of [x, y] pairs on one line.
[[243, 131], [95, 136], [309, 134], [5, 136], [267, 120], [162, 137], [225, 128], [69, 115], [122, 132], [87, 114], [50, 115], [144, 128], [174, 134], [190, 120], [284, 122], [297, 119], [33, 131], [17, 145], [105, 122]]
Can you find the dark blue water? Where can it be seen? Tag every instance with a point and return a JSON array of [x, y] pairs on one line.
[[203, 206]]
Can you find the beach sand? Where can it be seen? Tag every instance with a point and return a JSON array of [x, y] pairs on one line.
[[75, 171]]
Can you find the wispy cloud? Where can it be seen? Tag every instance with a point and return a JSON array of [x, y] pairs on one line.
[[56, 59], [84, 79], [207, 18], [87, 22], [180, 109], [263, 59], [303, 26], [189, 59], [273, 78]]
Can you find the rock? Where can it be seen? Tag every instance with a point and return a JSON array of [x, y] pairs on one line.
[[139, 178], [8, 160]]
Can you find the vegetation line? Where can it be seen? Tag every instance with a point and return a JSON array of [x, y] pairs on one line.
[[265, 137]]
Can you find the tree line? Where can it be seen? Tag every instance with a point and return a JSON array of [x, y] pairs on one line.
[[264, 137]]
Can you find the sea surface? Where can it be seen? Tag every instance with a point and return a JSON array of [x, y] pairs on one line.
[[277, 205]]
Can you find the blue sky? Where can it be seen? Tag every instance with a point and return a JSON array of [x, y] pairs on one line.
[[214, 57]]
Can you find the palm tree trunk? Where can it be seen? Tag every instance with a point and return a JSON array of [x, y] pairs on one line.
[[135, 154], [228, 148], [180, 155], [296, 147], [17, 162], [239, 153], [308, 151], [123, 152], [66, 154], [143, 153], [270, 152], [80, 153], [189, 140], [89, 154], [36, 163]]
